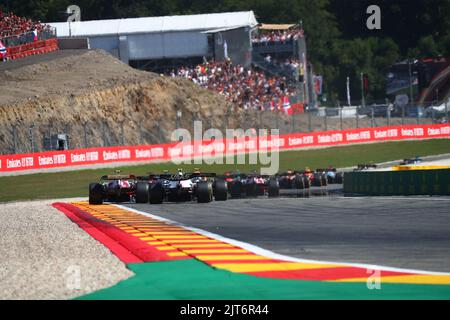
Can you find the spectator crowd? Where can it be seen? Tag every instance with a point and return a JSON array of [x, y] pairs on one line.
[[12, 25], [246, 88], [278, 36]]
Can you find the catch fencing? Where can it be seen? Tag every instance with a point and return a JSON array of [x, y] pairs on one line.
[[218, 147], [58, 135]]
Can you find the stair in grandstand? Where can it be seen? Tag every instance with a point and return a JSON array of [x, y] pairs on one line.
[[260, 63], [270, 48]]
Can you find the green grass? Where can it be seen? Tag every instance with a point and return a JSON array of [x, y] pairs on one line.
[[75, 183]]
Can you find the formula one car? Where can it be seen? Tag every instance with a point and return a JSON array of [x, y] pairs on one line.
[[293, 180], [251, 185], [415, 160], [332, 176], [203, 187], [113, 188], [364, 167], [316, 178]]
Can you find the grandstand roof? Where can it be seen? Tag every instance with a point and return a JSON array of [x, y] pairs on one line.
[[201, 22], [265, 26]]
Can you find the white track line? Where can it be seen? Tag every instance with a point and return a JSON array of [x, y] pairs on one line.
[[436, 198], [270, 254]]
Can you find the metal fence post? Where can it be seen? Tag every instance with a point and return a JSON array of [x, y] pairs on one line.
[[85, 134], [418, 115], [388, 113], [325, 120], [277, 119], [261, 119], [105, 142], [293, 122], [403, 114], [141, 136], [446, 110], [357, 117], [340, 109], [31, 131], [67, 131], [309, 121], [161, 135], [122, 133], [388, 117], [50, 137], [372, 115], [177, 117], [14, 136], [225, 121]]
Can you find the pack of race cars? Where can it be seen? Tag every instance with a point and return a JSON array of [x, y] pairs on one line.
[[204, 187]]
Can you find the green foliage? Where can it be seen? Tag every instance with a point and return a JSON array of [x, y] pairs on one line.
[[339, 43]]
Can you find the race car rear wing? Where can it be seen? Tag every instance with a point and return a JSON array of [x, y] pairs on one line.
[[119, 177], [203, 175], [244, 176]]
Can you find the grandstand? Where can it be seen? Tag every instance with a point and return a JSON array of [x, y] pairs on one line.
[[155, 43], [167, 44], [23, 37]]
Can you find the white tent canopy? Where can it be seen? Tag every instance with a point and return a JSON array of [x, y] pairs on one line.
[[200, 22]]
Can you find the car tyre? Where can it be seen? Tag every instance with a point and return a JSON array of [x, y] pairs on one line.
[[299, 183], [95, 193], [273, 189], [236, 189], [251, 189], [156, 194], [221, 190], [204, 192], [142, 192], [339, 178]]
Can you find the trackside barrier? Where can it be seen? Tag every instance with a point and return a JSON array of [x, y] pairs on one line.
[[211, 148], [398, 183]]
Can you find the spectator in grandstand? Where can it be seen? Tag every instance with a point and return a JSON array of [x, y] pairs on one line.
[[15, 26], [246, 88], [278, 36], [2, 51]]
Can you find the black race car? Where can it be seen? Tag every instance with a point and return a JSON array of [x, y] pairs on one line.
[[113, 188], [293, 180], [415, 160], [364, 167], [332, 176], [251, 185], [202, 187]]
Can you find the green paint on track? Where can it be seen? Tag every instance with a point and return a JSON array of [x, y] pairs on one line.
[[193, 280]]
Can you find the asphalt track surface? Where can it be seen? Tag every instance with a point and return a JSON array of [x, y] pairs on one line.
[[412, 233]]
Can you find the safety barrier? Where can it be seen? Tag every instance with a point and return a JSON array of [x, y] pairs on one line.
[[33, 48], [217, 147], [398, 183]]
